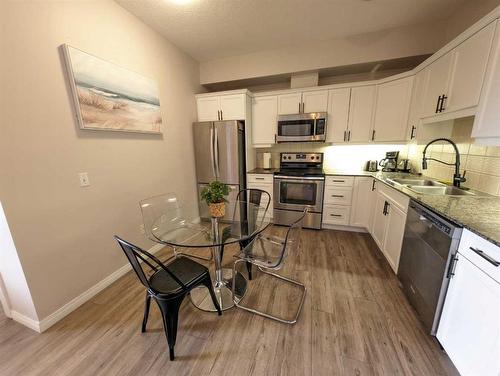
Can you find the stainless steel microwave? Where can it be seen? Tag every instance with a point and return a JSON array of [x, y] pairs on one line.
[[302, 127]]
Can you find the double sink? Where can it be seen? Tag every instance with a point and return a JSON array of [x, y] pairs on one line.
[[430, 187]]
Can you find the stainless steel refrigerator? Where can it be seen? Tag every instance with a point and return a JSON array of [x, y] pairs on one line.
[[219, 149]]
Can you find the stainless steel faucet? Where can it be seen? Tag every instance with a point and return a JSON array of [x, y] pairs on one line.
[[457, 178]]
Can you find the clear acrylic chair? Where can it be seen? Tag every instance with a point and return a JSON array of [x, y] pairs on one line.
[[269, 253], [167, 207]]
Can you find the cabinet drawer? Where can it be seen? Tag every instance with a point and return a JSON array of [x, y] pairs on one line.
[[340, 181], [484, 257], [336, 214], [260, 178], [338, 195]]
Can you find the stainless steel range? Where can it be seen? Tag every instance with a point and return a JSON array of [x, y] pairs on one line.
[[299, 184]]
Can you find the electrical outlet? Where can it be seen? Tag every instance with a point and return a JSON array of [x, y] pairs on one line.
[[84, 179]]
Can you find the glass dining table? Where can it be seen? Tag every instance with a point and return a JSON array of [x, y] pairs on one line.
[[182, 226]]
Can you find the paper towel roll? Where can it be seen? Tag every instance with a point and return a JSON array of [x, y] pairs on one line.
[[266, 160]]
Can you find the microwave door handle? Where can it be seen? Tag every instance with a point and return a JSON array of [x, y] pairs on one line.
[[314, 127]]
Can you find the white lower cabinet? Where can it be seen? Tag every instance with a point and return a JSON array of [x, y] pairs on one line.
[[263, 182], [363, 199], [337, 200], [388, 226], [469, 328]]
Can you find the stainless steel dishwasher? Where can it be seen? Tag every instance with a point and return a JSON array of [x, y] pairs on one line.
[[427, 261]]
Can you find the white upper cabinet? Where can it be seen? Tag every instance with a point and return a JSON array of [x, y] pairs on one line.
[[487, 122], [338, 115], [208, 108], [361, 114], [469, 67], [289, 103], [264, 119], [315, 101], [391, 110], [436, 84], [233, 107], [221, 107], [415, 105]]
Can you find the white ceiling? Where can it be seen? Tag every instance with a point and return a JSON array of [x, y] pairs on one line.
[[212, 29]]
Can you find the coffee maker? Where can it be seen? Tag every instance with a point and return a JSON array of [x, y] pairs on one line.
[[390, 162]]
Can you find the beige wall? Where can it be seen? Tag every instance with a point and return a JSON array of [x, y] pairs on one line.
[[63, 233], [387, 44]]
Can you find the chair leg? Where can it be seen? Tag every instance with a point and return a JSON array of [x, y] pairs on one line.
[[249, 270], [288, 280], [170, 313], [146, 312], [207, 282]]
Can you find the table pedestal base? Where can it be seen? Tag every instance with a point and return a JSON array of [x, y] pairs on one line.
[[200, 297]]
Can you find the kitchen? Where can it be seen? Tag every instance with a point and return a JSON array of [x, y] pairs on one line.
[[431, 211], [301, 188]]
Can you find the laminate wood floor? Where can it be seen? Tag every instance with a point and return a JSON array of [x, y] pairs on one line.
[[355, 321]]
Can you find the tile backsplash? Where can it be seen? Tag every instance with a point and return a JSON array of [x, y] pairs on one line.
[[481, 163]]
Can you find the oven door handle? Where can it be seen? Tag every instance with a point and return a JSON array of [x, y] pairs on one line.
[[302, 178]]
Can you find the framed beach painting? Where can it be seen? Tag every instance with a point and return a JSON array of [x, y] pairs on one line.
[[108, 97]]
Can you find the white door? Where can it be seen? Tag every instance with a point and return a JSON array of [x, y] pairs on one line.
[[415, 105], [289, 103], [264, 119], [487, 120], [438, 74], [469, 69], [379, 223], [363, 200], [315, 101], [469, 328], [361, 113], [233, 107], [208, 108], [391, 110], [393, 240], [338, 115]]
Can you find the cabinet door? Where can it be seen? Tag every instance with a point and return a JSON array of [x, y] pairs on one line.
[[391, 110], [208, 108], [363, 200], [393, 240], [469, 69], [438, 74], [289, 103], [415, 105], [315, 101], [361, 113], [233, 107], [487, 120], [338, 115], [469, 328], [379, 223], [264, 118]]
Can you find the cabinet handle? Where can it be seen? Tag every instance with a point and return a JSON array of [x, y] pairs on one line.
[[373, 185], [256, 178], [221, 116], [412, 130], [337, 196], [348, 135], [451, 266], [338, 181], [335, 215], [345, 132], [373, 135], [442, 108], [299, 107], [386, 208], [488, 258], [438, 104]]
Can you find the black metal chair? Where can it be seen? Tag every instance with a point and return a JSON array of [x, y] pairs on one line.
[[269, 253], [253, 196], [168, 285]]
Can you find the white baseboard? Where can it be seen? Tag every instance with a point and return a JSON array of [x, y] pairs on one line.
[[47, 322]]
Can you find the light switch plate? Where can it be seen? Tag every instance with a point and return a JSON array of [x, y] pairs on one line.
[[84, 179]]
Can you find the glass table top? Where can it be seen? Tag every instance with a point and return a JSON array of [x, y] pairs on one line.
[[182, 226]]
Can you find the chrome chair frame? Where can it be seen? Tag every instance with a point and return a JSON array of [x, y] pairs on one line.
[[284, 243]]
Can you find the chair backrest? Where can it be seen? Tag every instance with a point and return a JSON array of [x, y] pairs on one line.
[[253, 196], [291, 241], [162, 207], [137, 257]]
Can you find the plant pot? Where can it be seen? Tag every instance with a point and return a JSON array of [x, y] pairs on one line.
[[217, 210]]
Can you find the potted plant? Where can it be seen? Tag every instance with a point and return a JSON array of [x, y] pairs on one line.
[[214, 195]]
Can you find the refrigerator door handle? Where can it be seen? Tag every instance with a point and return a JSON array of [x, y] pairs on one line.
[[216, 155], [212, 155]]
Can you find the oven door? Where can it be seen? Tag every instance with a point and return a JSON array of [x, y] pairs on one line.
[[297, 193]]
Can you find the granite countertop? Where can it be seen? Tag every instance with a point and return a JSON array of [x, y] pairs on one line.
[[479, 213], [263, 171]]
